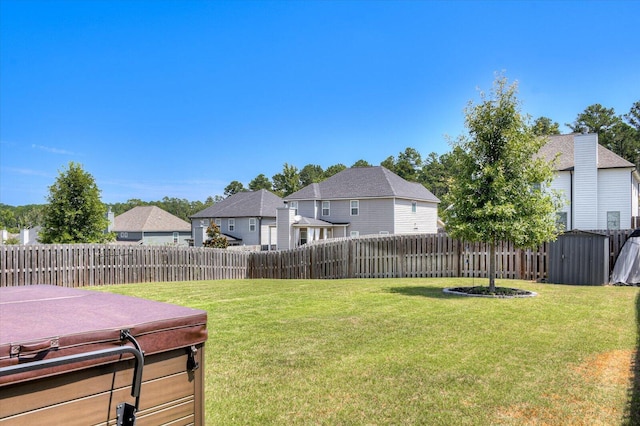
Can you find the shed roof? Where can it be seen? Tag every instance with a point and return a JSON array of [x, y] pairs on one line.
[[364, 182], [149, 219], [260, 203]]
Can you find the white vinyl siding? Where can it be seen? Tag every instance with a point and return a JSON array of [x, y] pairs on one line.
[[424, 220], [562, 184], [614, 194], [585, 178]]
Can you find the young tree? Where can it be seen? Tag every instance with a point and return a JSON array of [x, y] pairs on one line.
[[499, 190], [216, 239], [75, 213]]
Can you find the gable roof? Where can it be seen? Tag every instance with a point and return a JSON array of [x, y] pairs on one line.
[[564, 145], [149, 219], [260, 203], [364, 182]]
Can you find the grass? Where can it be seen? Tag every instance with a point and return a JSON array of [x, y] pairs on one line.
[[399, 351]]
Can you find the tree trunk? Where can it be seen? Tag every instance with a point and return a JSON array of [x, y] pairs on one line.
[[492, 267]]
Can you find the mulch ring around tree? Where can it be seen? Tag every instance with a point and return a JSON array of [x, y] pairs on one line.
[[481, 291]]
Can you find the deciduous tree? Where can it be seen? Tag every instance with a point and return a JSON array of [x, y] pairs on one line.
[[75, 213], [500, 189]]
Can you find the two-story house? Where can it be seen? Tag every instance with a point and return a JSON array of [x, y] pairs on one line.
[[356, 201], [600, 188], [245, 218]]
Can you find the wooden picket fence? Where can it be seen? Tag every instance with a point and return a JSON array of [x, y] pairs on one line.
[[420, 255]]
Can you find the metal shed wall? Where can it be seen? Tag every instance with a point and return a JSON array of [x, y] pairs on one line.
[[579, 257]]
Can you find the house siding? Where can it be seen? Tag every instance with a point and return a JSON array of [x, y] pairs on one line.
[[374, 216], [562, 184], [284, 219], [612, 196], [165, 238], [249, 238], [586, 189], [423, 220]]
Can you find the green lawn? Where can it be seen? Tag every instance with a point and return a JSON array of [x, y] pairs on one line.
[[399, 351]]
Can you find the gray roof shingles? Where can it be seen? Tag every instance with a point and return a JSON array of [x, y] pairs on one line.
[[149, 219], [563, 145], [260, 203], [364, 182]]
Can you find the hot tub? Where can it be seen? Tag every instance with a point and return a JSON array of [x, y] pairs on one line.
[[81, 357]]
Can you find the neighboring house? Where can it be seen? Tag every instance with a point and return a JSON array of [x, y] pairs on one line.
[[356, 201], [26, 236], [150, 225], [30, 235], [600, 188], [246, 219]]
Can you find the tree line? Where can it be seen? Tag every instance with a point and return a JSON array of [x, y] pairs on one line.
[[619, 133]]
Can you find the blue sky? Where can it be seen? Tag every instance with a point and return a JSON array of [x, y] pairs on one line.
[[179, 98]]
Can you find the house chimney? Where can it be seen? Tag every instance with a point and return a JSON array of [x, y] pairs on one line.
[[585, 197], [111, 219]]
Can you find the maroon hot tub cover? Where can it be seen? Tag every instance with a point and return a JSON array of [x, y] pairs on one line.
[[41, 322]]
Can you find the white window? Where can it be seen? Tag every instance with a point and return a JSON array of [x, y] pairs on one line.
[[414, 206], [303, 236], [613, 220], [252, 224], [232, 225], [294, 205], [326, 208], [354, 234], [355, 207], [175, 238], [218, 223]]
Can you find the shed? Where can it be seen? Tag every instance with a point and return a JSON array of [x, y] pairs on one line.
[[79, 357], [579, 257]]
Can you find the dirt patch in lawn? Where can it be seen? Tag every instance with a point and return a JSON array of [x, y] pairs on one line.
[[614, 369]]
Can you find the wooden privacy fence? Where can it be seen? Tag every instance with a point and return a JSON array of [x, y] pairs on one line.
[[421, 255], [78, 265]]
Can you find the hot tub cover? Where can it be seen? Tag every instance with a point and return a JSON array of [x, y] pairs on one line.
[[42, 322]]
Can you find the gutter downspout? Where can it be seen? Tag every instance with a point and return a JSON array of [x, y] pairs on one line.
[[571, 199]]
